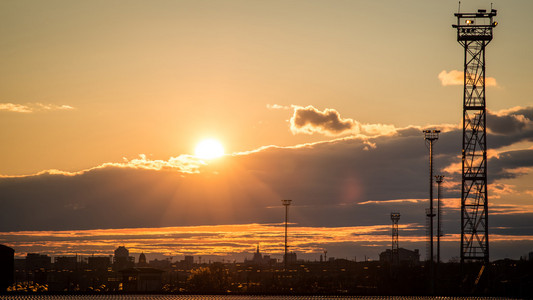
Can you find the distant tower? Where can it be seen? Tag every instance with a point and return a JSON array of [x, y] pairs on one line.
[[431, 136], [438, 179], [474, 33], [142, 260], [258, 257], [395, 255], [286, 203]]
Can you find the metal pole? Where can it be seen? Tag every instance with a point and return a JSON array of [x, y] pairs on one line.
[[431, 263], [431, 136], [431, 200], [439, 207], [286, 219], [286, 203]]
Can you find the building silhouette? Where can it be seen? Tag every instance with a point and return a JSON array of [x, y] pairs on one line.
[[122, 259], [98, 263], [37, 267], [65, 263], [260, 260], [291, 258], [188, 260], [405, 256], [141, 279], [35, 261], [142, 260], [7, 263]]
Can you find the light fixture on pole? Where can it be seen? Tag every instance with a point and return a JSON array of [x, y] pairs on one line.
[[286, 203]]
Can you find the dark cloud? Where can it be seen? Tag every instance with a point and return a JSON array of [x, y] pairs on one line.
[[309, 120], [510, 126], [505, 164], [506, 123]]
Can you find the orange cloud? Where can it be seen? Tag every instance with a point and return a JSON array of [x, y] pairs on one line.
[[219, 240], [455, 77], [33, 107], [453, 168], [497, 190], [396, 201], [510, 209], [11, 107], [187, 164]]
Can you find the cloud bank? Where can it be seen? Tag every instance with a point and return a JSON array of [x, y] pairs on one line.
[[335, 183], [329, 180]]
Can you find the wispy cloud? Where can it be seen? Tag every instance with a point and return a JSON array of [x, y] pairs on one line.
[[11, 107], [278, 107], [32, 107], [455, 77], [395, 201]]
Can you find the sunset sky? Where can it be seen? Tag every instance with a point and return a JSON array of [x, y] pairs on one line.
[[103, 103]]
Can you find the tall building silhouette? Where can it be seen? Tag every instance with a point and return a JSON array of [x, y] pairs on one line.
[[122, 259], [7, 263]]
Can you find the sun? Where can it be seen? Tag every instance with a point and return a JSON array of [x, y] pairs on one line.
[[209, 149]]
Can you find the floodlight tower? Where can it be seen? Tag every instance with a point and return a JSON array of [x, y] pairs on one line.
[[286, 203], [438, 179], [395, 255], [474, 33], [431, 136]]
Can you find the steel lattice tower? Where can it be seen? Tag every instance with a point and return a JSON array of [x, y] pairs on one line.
[[474, 33], [395, 254]]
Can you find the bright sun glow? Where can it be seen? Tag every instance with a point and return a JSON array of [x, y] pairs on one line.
[[209, 149]]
